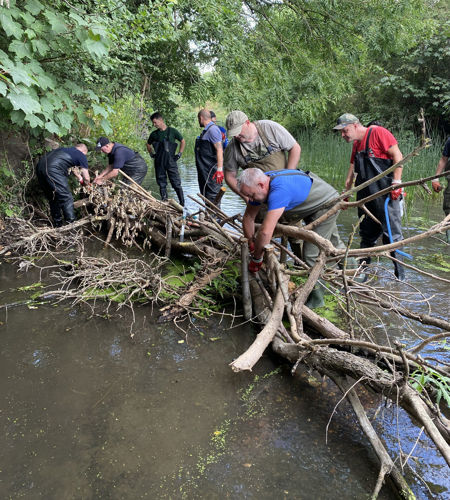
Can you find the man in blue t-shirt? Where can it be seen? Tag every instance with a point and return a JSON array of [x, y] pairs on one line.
[[222, 129], [52, 172], [290, 196], [209, 157], [122, 158], [444, 166]]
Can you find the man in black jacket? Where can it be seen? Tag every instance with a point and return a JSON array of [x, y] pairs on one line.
[[52, 172]]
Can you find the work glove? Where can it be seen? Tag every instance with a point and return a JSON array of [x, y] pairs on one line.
[[177, 156], [396, 193], [255, 265], [152, 155], [436, 185], [81, 181], [251, 246], [218, 177]]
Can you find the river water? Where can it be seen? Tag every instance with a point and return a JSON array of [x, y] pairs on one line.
[[90, 412]]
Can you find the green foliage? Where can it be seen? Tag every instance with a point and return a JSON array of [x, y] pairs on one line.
[[12, 188], [427, 378]]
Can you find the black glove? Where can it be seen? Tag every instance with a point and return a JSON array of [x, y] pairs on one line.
[[177, 156], [152, 155]]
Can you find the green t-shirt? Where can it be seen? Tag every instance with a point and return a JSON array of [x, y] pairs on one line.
[[170, 133]]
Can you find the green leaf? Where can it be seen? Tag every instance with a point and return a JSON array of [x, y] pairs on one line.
[[106, 126], [11, 27], [99, 110], [22, 49], [56, 23], [20, 74], [40, 46], [34, 6], [34, 121], [65, 119], [52, 127], [3, 88], [45, 81], [24, 102], [18, 117], [96, 47]]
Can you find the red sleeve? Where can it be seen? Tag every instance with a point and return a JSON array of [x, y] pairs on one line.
[[381, 140]]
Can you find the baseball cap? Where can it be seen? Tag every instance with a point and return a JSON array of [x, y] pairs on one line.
[[234, 122], [344, 120], [102, 141], [213, 115]]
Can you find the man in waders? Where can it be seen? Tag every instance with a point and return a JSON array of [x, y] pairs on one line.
[[122, 158], [261, 144], [291, 196], [52, 172], [209, 156], [162, 146], [444, 166], [375, 149]]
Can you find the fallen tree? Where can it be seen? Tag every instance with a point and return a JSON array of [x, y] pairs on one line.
[[133, 217]]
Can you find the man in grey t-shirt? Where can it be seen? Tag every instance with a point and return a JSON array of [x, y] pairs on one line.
[[261, 144]]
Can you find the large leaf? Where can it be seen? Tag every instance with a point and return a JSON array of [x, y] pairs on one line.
[[17, 117], [3, 88], [106, 126], [24, 102], [99, 110], [11, 27], [40, 46], [34, 6], [34, 121], [19, 74], [95, 46], [65, 119], [57, 23], [52, 127], [22, 49]]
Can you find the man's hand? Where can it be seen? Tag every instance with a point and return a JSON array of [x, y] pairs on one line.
[[218, 176], [98, 180], [177, 156], [255, 265], [251, 246], [436, 185], [152, 155]]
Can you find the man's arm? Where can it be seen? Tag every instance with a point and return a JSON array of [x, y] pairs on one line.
[[248, 221], [294, 156], [182, 146], [265, 232], [150, 149], [440, 168], [395, 155], [85, 176], [219, 154], [350, 177], [231, 180]]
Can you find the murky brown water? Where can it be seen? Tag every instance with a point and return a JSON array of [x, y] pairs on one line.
[[88, 412]]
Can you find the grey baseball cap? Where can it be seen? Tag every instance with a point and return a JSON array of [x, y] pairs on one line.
[[344, 120], [234, 122]]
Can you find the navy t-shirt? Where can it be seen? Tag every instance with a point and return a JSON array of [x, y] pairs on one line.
[[79, 159], [119, 155]]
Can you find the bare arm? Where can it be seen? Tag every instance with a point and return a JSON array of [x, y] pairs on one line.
[[85, 176], [440, 168], [294, 156], [149, 148], [350, 177], [395, 155], [108, 173], [231, 180], [266, 230], [182, 146], [219, 153]]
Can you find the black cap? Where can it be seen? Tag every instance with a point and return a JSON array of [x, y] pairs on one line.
[[213, 115], [102, 141]]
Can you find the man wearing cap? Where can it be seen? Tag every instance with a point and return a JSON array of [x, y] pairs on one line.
[[291, 196], [52, 172], [261, 144], [120, 158], [375, 149], [209, 156], [222, 129], [162, 145]]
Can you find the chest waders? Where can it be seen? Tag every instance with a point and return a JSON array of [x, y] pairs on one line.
[[206, 163], [136, 168], [166, 166], [268, 159], [52, 172], [366, 168]]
